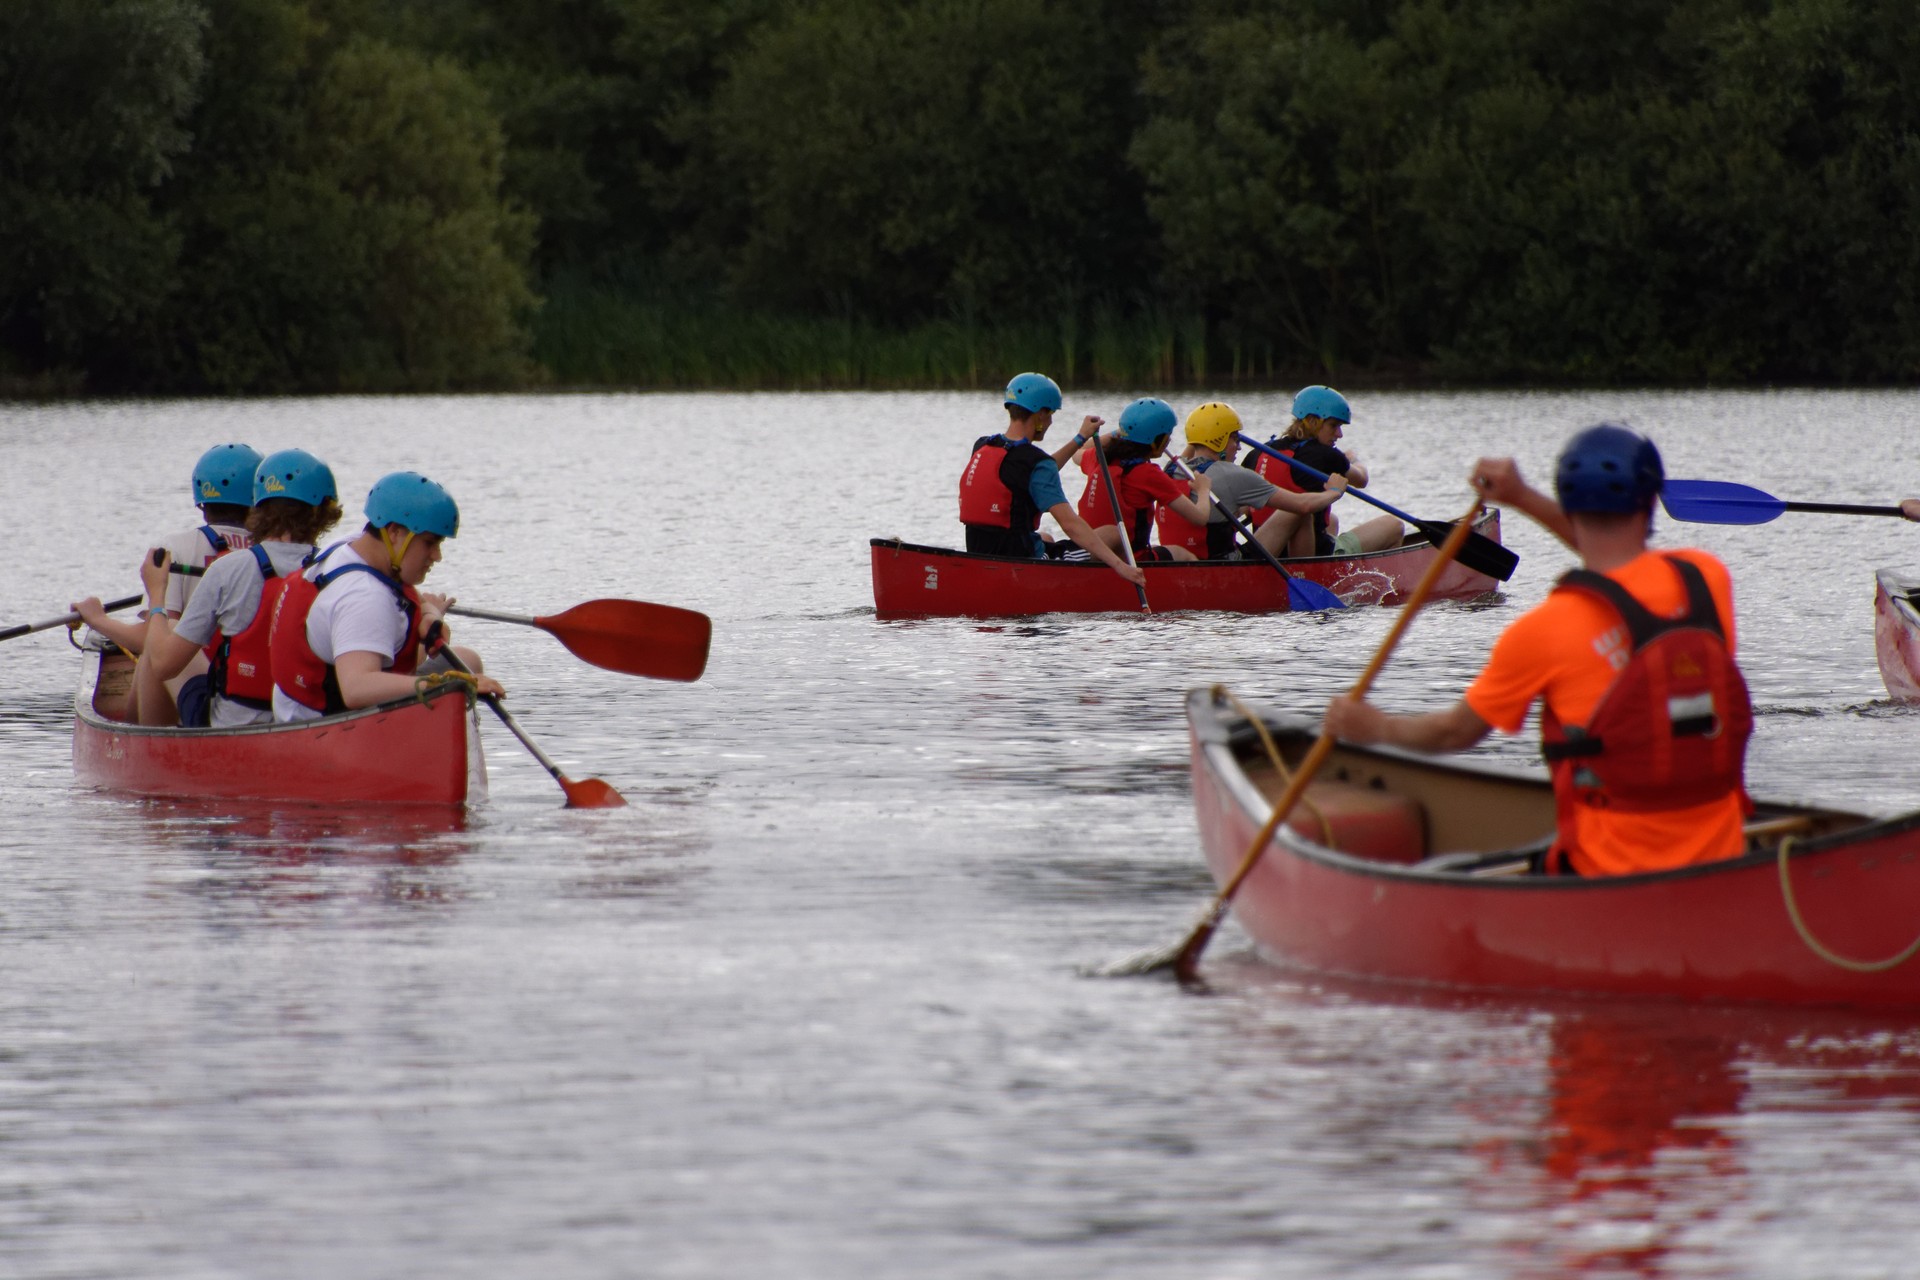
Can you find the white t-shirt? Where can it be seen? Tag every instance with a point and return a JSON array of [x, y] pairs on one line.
[[191, 553], [225, 601], [356, 613]]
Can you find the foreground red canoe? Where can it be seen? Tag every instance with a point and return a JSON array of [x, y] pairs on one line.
[[413, 752], [913, 581], [1896, 634], [1398, 876]]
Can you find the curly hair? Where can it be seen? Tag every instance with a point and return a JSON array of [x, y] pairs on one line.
[[289, 520]]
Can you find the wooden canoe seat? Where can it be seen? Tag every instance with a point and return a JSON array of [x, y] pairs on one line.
[[1366, 822]]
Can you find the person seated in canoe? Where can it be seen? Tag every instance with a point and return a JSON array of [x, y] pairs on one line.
[[294, 502], [1320, 419], [223, 490], [353, 629], [1145, 427], [1645, 715], [1010, 482], [1211, 440]]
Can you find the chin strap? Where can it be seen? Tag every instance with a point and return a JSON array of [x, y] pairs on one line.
[[393, 556]]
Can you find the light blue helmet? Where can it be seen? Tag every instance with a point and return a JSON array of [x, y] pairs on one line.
[[296, 474], [225, 474], [1034, 392], [1321, 402], [413, 502], [1147, 419]]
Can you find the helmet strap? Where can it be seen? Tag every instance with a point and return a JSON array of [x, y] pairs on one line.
[[393, 554]]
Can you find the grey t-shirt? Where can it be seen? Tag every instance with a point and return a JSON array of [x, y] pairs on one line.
[[226, 600], [1237, 487]]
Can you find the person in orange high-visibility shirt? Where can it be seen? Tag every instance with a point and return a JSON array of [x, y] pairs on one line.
[[1645, 717]]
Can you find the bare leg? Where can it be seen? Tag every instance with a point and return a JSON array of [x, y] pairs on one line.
[[1277, 532], [1379, 533]]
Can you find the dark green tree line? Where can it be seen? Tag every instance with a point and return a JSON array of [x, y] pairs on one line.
[[273, 195]]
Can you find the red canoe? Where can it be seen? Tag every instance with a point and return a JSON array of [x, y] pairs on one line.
[[1896, 634], [1418, 891], [912, 581], [413, 752]]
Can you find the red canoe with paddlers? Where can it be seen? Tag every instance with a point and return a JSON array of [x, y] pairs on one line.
[[914, 581], [419, 751], [1402, 867]]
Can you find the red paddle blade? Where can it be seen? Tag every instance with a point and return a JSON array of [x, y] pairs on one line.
[[591, 793], [658, 641]]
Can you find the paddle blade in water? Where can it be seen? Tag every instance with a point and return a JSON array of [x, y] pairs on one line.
[[1304, 596], [1478, 553], [632, 636], [1718, 502], [591, 793]]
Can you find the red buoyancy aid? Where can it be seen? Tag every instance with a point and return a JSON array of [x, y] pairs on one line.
[[1097, 511], [993, 488], [297, 670], [1671, 730], [1209, 541], [240, 667], [1275, 473]]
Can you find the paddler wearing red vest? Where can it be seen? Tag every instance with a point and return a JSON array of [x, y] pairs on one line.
[[222, 483], [353, 629], [294, 501], [1644, 715], [1010, 482], [1212, 442], [1146, 426], [1321, 416]]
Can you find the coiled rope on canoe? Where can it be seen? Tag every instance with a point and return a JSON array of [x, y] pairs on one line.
[[1814, 944], [1279, 765]]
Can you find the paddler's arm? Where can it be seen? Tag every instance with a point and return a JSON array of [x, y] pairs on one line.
[[1081, 532], [1364, 725], [1498, 481], [1307, 503], [1089, 428], [364, 682]]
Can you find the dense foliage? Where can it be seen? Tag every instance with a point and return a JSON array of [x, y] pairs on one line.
[[276, 195]]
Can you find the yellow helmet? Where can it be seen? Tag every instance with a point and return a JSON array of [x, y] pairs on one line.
[[1212, 425]]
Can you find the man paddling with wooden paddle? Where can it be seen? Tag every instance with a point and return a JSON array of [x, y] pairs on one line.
[[1645, 716], [1010, 482]]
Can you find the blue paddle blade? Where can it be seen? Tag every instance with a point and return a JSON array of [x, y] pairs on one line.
[[1304, 596], [1718, 502]]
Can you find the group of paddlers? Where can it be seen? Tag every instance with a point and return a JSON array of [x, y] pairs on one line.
[[1645, 716], [247, 619], [1195, 503]]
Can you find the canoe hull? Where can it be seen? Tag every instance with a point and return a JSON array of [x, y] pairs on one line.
[[1716, 932], [1896, 634], [411, 753], [914, 581]]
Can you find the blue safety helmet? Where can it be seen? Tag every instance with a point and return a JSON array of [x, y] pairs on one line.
[[296, 474], [1034, 392], [1147, 419], [1608, 468], [1321, 402], [225, 474], [413, 502]]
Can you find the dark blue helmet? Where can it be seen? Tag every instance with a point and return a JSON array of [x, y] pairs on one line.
[[1608, 468]]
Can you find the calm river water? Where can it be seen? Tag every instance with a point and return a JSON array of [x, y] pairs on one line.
[[812, 1006]]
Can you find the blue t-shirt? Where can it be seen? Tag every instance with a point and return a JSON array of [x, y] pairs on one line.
[[1043, 486]]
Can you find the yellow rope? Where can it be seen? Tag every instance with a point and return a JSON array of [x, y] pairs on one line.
[[1280, 766], [1813, 943], [440, 679]]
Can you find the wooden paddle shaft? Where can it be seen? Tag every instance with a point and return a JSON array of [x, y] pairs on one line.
[[1321, 749]]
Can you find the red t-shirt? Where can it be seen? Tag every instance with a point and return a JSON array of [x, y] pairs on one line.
[[1141, 485], [1566, 651]]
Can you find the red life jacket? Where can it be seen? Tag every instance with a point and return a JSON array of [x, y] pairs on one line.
[[996, 504], [240, 667], [1210, 541], [1671, 730], [1275, 473], [1097, 511], [297, 670]]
